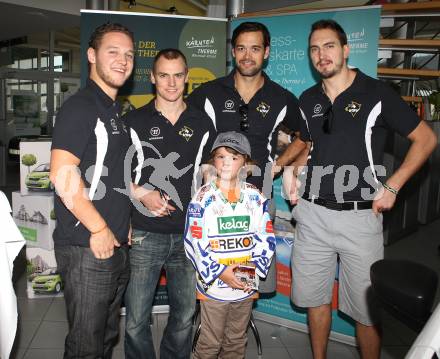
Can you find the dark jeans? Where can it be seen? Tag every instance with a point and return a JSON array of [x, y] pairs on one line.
[[148, 254], [93, 290]]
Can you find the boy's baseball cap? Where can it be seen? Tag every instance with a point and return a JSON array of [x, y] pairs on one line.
[[234, 140]]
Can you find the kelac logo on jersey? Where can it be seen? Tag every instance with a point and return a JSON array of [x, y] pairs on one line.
[[233, 224]]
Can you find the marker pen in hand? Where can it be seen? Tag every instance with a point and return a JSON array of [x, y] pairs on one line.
[[163, 196]]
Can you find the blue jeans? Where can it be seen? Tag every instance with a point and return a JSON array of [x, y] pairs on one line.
[[149, 253], [93, 291]]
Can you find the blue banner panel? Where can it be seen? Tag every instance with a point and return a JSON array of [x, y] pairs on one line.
[[289, 63]]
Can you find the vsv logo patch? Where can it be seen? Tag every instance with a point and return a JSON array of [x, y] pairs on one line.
[[195, 210], [233, 224]]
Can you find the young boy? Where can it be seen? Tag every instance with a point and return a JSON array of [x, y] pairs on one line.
[[228, 226]]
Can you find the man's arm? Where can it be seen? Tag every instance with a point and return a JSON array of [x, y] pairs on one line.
[[423, 143], [290, 177], [264, 250], [152, 200], [293, 150], [65, 176], [294, 121]]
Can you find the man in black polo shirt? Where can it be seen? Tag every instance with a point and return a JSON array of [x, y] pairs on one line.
[[346, 118], [248, 101], [87, 165], [171, 141]]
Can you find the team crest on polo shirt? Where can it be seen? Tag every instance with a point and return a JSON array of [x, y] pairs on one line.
[[263, 108], [186, 133], [353, 108]]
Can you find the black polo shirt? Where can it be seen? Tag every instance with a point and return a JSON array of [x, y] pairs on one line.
[[89, 127], [167, 158], [271, 105], [342, 164]]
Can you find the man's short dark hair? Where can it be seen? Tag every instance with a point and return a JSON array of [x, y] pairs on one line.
[[100, 31], [251, 27], [170, 54], [332, 25]]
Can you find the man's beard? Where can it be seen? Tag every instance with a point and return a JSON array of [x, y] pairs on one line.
[[108, 79], [251, 72], [330, 73]]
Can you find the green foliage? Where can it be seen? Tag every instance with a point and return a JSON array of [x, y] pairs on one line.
[[28, 160]]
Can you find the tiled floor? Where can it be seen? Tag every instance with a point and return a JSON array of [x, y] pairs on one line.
[[43, 326]]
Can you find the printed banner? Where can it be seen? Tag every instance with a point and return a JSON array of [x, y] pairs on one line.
[[202, 40], [289, 64]]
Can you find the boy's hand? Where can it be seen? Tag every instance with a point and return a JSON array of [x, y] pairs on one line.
[[248, 289], [229, 277]]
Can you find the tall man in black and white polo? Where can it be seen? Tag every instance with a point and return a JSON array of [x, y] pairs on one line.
[[87, 166], [347, 116]]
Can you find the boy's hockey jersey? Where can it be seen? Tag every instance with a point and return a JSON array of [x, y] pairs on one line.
[[218, 233]]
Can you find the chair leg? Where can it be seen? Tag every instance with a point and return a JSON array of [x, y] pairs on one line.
[[196, 313], [196, 337], [256, 334]]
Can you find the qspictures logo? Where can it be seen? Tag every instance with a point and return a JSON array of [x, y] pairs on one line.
[[233, 224]]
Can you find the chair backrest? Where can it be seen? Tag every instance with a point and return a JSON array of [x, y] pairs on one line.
[[406, 289]]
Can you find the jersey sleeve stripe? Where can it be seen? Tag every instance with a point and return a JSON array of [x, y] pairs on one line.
[[209, 109], [101, 151], [372, 117], [139, 154], [198, 161]]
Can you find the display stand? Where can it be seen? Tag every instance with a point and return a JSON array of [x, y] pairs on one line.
[[33, 212]]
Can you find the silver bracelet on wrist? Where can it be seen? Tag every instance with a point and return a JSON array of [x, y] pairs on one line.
[[391, 189]]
